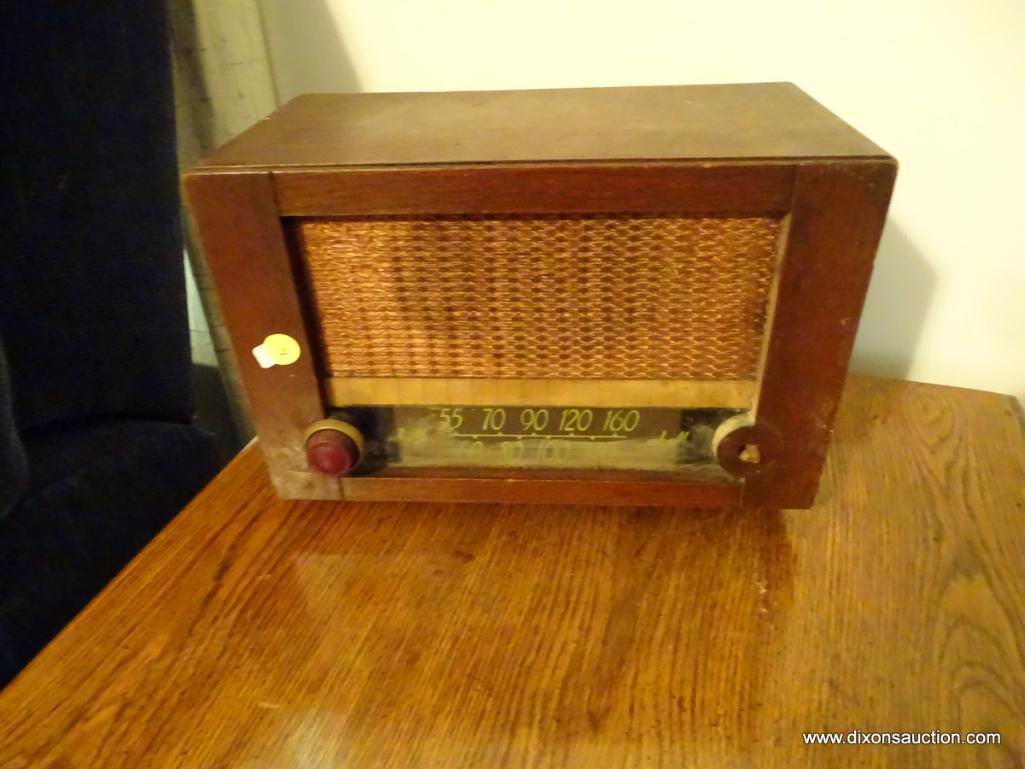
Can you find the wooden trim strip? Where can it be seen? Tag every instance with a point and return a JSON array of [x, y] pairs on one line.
[[243, 242], [695, 188], [836, 221], [536, 491], [626, 393]]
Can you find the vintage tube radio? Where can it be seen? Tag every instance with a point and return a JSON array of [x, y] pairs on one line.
[[609, 295]]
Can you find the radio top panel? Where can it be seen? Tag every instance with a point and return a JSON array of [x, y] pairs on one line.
[[747, 121]]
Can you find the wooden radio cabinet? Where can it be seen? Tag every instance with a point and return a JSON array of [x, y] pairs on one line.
[[610, 295]]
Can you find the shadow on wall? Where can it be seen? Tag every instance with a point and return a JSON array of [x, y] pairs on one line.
[[898, 300], [305, 34]]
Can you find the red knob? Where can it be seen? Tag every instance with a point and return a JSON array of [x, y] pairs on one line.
[[332, 452]]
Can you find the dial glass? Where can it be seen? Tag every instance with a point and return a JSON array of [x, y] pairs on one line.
[[578, 437]]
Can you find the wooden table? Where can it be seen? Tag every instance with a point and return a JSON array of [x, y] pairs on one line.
[[257, 633]]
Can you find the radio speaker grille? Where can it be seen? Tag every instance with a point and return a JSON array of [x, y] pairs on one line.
[[607, 296]]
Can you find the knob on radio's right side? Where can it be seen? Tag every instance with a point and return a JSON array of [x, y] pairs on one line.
[[744, 447]]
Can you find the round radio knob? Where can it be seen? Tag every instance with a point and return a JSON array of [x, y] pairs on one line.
[[333, 447]]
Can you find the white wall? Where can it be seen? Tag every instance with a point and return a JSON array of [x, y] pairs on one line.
[[938, 83]]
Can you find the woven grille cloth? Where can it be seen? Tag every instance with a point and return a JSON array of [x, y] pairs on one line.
[[607, 296]]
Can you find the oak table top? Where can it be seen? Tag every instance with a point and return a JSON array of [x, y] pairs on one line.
[[258, 633]]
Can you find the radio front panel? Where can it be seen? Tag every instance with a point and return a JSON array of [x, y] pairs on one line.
[[604, 341]]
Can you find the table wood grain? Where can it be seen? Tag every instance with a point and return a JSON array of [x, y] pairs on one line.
[[259, 633]]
